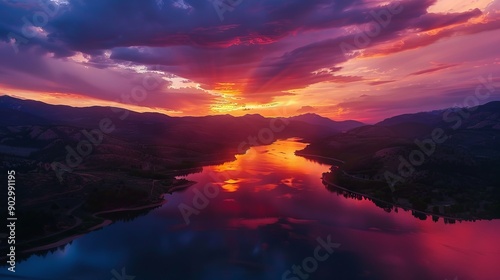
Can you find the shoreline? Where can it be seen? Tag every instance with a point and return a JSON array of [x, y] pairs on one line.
[[104, 223], [396, 205], [371, 197]]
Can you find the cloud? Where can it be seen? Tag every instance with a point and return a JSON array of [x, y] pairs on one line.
[[376, 83], [435, 21], [413, 41], [39, 73], [432, 70], [306, 109], [262, 51]]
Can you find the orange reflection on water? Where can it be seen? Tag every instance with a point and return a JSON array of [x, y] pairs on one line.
[[229, 167], [270, 182], [230, 187], [256, 167]]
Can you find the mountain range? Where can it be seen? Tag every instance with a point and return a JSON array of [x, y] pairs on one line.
[[103, 158], [45, 129]]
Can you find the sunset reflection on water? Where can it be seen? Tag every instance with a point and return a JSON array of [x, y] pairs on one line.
[[270, 183], [271, 208]]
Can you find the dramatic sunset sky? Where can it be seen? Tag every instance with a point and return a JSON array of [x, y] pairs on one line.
[[272, 57]]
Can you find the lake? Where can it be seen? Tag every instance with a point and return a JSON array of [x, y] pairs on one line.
[[267, 215]]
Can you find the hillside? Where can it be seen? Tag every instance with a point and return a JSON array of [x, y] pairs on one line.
[[326, 122], [425, 160], [77, 162]]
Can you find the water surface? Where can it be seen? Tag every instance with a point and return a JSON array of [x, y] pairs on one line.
[[270, 210]]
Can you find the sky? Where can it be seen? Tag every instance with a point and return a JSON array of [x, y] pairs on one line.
[[343, 59]]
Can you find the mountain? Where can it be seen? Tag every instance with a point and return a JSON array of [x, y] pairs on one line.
[[66, 115], [475, 129], [156, 128], [46, 129], [427, 159], [428, 118], [104, 158], [133, 164], [483, 116], [315, 119]]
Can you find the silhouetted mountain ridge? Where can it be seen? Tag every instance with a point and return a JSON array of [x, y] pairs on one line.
[[316, 119], [445, 157]]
